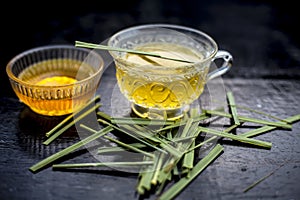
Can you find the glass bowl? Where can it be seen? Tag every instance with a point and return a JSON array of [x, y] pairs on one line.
[[55, 80]]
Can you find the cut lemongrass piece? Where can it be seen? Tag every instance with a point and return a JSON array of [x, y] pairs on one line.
[[131, 135], [102, 164], [140, 121], [62, 123], [129, 147], [236, 137], [67, 126], [175, 189], [249, 119], [266, 129], [69, 149], [232, 107], [108, 48]]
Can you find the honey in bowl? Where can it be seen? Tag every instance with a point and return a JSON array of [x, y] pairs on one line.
[[169, 86], [55, 80]]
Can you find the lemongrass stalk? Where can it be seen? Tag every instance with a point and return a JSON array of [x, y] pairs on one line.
[[261, 113], [102, 164], [67, 126], [122, 144], [119, 148], [255, 111], [249, 119], [237, 137], [131, 135], [104, 115], [198, 118], [145, 176], [167, 147], [229, 129], [62, 123], [265, 129], [109, 48], [188, 159], [69, 149], [175, 189], [129, 147], [157, 169], [232, 107], [139, 121]]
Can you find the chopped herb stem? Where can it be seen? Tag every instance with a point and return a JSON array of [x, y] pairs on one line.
[[249, 119], [129, 147], [140, 121], [237, 137], [69, 149], [131, 135], [232, 107], [176, 188], [66, 127], [102, 164], [62, 123], [265, 129]]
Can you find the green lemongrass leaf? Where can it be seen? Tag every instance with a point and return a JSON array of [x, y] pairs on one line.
[[266, 129], [145, 177], [119, 148], [249, 119], [139, 121], [129, 147], [69, 149], [142, 134], [62, 123], [256, 111], [186, 128], [177, 187], [202, 143], [67, 126], [258, 131], [179, 123], [181, 139], [293, 119], [259, 121], [188, 158], [232, 107], [172, 150], [157, 169], [164, 144], [102, 164], [227, 130], [131, 135], [261, 113], [237, 137], [109, 48], [122, 144], [104, 115]]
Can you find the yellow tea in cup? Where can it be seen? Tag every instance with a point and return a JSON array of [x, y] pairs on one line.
[[166, 92]]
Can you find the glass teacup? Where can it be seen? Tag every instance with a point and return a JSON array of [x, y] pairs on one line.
[[161, 88]]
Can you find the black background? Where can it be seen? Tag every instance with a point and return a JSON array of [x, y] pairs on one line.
[[262, 36]]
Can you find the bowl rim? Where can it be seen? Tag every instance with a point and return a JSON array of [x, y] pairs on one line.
[[53, 46]]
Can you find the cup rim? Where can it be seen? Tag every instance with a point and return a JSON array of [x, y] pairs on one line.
[[18, 56], [164, 25]]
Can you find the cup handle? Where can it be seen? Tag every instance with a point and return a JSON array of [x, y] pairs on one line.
[[226, 65]]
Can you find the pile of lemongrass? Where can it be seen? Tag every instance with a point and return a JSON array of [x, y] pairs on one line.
[[168, 149]]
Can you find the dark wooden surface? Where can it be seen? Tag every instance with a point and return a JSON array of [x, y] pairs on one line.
[[263, 38]]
